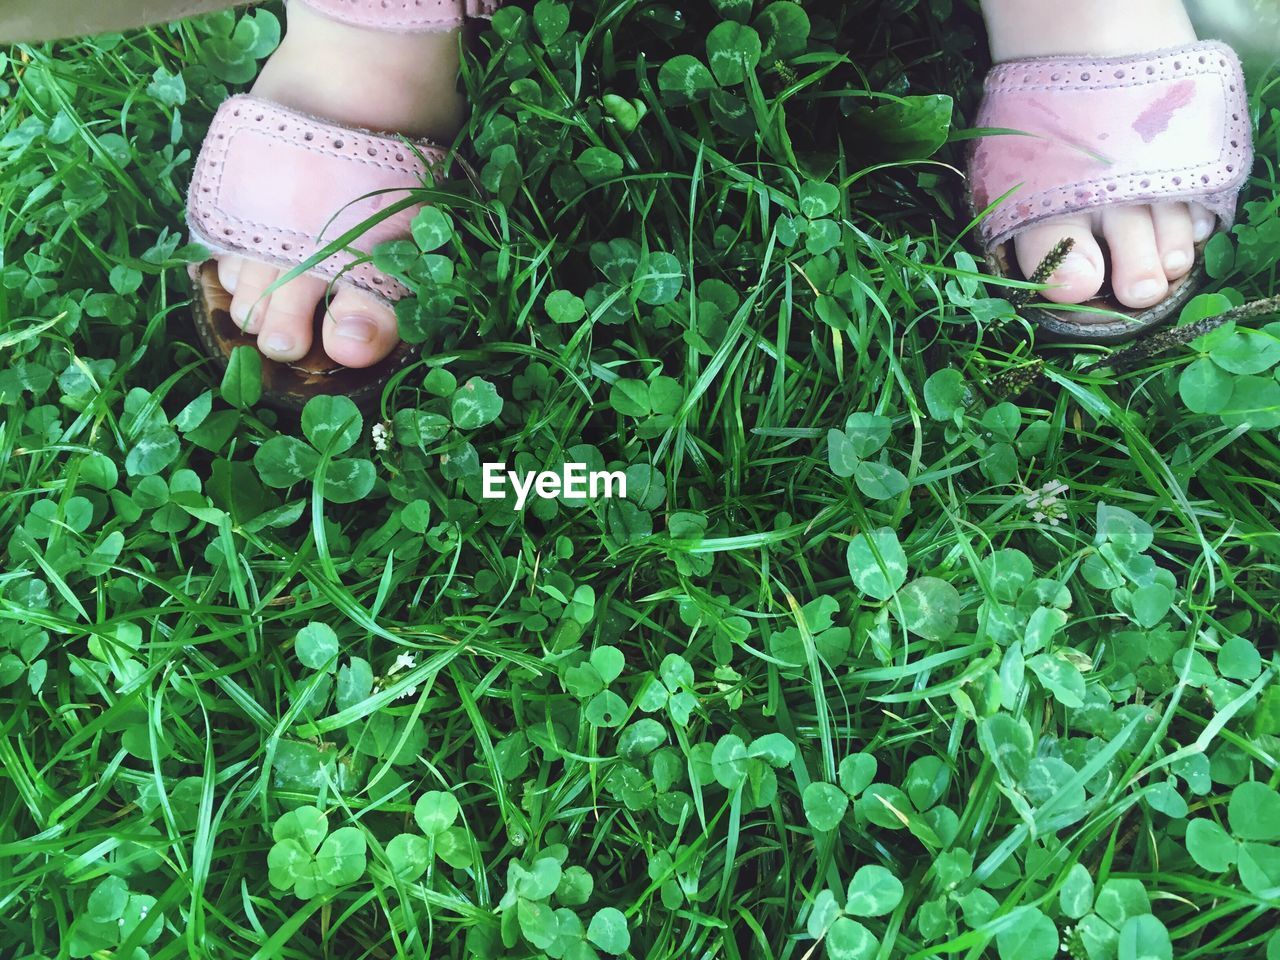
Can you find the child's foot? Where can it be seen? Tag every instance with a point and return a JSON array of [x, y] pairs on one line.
[[1150, 245], [371, 79]]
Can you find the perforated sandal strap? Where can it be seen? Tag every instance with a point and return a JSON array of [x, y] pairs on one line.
[[279, 186], [1072, 134], [404, 16]]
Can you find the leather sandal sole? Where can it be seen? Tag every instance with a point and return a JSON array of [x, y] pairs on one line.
[[1093, 320]]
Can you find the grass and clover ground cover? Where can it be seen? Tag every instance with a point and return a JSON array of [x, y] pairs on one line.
[[914, 637]]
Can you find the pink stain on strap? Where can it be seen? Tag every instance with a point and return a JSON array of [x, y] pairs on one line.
[[1154, 120]]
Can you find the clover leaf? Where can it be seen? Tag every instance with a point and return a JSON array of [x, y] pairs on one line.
[[784, 28], [877, 563], [608, 930], [309, 860], [292, 859], [685, 79], [342, 859], [332, 424], [672, 688], [1060, 677], [475, 404], [824, 805], [590, 680], [930, 607], [307, 825], [849, 940], [1030, 935], [408, 855], [154, 451], [873, 892], [1075, 896], [565, 307], [856, 772], [283, 461], [1254, 811], [316, 645], [432, 228], [733, 50], [817, 199], [1145, 938], [435, 812], [1211, 846], [946, 396]]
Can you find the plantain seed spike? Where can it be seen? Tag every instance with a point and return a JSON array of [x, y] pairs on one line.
[[1048, 267]]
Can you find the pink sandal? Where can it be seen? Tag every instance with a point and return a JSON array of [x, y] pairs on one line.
[[278, 186], [1080, 133]]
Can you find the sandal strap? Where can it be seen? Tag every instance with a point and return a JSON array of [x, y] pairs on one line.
[[1072, 134], [407, 16], [278, 186]]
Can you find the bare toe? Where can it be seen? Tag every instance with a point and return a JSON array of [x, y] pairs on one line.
[[1081, 274], [251, 300], [1174, 238], [1137, 275], [229, 272], [287, 327], [359, 331], [1203, 222]]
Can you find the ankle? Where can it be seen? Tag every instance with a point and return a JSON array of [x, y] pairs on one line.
[[377, 80], [1017, 29]]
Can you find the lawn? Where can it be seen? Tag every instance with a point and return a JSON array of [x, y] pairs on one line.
[[915, 635]]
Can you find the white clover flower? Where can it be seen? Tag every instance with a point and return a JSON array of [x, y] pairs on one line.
[[411, 692], [379, 436], [406, 661], [1047, 503]]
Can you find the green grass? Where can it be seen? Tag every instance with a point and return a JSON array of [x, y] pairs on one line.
[[915, 637]]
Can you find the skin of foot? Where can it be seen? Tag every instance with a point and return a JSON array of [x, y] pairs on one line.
[[369, 79], [1149, 246]]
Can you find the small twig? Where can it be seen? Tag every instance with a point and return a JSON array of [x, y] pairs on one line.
[[1178, 336], [1013, 383], [1048, 267]]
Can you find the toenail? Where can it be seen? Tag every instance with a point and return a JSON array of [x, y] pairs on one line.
[[1075, 265], [1203, 227], [279, 343], [357, 328], [1177, 261], [240, 314], [1145, 290]]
